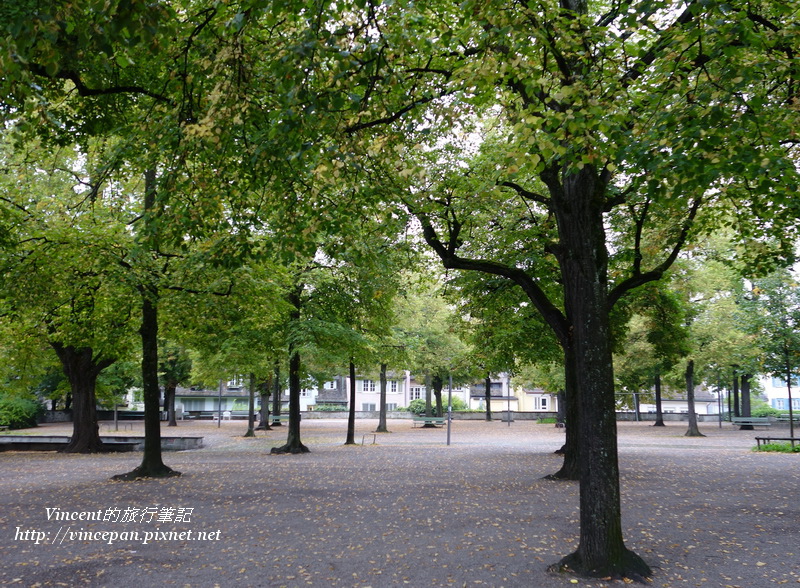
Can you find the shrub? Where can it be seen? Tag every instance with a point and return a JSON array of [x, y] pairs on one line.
[[19, 413], [329, 408]]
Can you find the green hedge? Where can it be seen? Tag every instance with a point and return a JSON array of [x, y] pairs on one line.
[[19, 413]]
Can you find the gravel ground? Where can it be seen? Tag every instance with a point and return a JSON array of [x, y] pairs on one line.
[[406, 511]]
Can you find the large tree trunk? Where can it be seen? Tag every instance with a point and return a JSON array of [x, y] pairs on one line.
[[746, 401], [152, 465], [82, 368], [577, 202], [351, 413], [693, 430], [382, 428], [487, 397], [659, 414]]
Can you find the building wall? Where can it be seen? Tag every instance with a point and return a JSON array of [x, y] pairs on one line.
[[777, 393]]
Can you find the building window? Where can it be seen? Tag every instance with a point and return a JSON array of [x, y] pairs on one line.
[[306, 392], [330, 385], [236, 382], [416, 392], [368, 385], [368, 406], [540, 403], [391, 406], [393, 387]]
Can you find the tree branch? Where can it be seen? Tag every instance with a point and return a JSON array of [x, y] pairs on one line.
[[640, 278], [551, 314]]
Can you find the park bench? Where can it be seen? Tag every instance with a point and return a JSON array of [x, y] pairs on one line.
[[109, 425], [754, 421], [426, 420], [768, 440], [785, 418], [280, 418]]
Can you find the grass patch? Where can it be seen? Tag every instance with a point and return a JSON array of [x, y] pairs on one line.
[[547, 420]]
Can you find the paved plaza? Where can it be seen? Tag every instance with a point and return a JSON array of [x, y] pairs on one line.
[[406, 511]]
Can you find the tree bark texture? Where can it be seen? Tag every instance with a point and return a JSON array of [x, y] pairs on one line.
[[82, 368]]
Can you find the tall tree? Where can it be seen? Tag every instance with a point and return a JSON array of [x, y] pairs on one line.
[[773, 314]]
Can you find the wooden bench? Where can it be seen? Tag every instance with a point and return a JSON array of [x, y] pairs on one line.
[[785, 419], [753, 421], [768, 440], [426, 420]]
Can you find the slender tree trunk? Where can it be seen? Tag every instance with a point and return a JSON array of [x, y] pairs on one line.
[[251, 408], [487, 395], [736, 407], [293, 443], [277, 392], [693, 431], [746, 401], [82, 369], [577, 201], [382, 428], [659, 414], [351, 413], [152, 465], [265, 389]]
